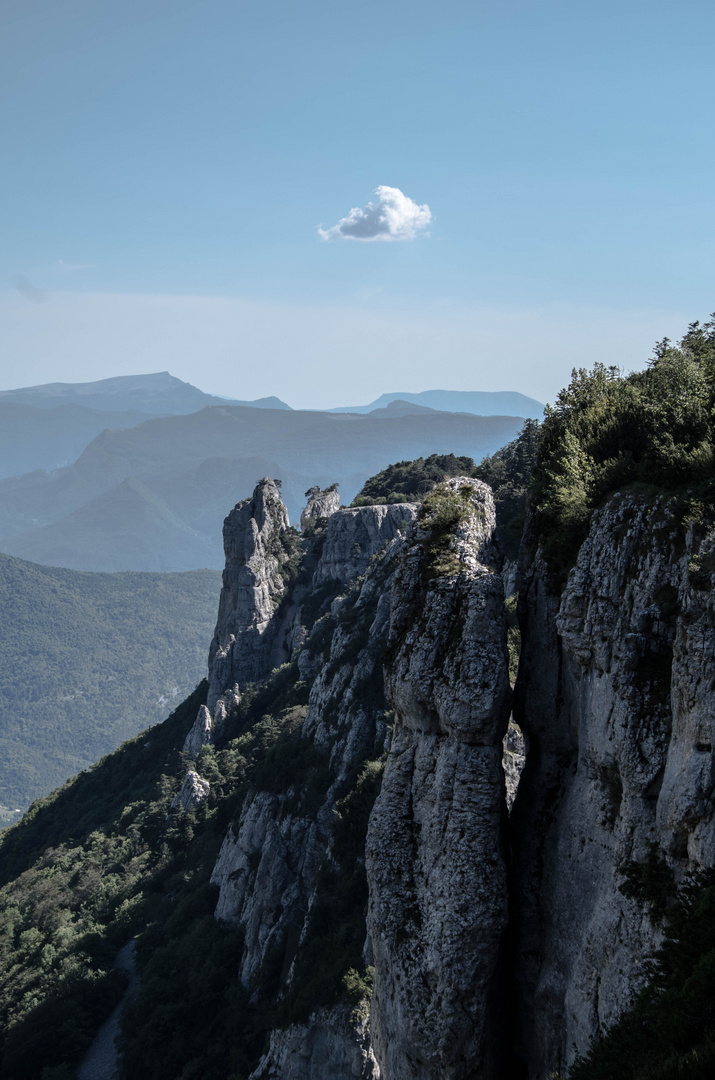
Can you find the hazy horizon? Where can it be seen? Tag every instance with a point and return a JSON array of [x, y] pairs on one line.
[[266, 199]]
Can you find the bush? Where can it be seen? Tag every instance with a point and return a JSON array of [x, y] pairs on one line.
[[607, 431]]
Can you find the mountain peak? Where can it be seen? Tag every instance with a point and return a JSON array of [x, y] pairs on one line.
[[158, 393]]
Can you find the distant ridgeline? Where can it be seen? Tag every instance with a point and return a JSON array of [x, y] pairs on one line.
[[318, 855], [87, 486]]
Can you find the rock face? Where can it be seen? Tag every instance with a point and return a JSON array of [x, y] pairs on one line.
[[398, 614], [268, 867], [253, 585], [615, 694], [435, 853], [192, 793], [330, 1047], [355, 535], [200, 734], [321, 505]]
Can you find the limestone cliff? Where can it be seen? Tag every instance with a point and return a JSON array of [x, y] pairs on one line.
[[435, 856], [320, 506], [501, 942], [253, 585], [615, 694], [355, 535], [275, 867]]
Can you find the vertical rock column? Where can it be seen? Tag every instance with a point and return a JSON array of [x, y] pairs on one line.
[[435, 856], [252, 588]]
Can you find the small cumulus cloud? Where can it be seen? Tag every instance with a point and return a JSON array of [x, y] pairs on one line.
[[70, 268], [394, 216]]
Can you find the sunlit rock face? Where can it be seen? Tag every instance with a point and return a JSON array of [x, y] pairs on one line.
[[615, 695], [253, 585], [435, 854], [268, 868], [355, 535], [320, 506]]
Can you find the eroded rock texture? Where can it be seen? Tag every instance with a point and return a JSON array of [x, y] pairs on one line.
[[435, 854], [333, 1046], [192, 793], [253, 585], [615, 694], [268, 867], [356, 534], [320, 505]]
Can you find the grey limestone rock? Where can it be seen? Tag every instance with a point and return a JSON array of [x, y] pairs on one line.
[[616, 691], [200, 734], [253, 585], [192, 793], [435, 854], [331, 1046], [321, 505], [267, 870], [356, 534]]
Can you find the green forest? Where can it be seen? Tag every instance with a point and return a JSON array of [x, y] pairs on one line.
[[88, 660]]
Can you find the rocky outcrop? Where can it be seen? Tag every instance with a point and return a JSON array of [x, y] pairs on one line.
[[320, 506], [435, 854], [615, 694], [333, 1045], [356, 534], [192, 793], [615, 702], [200, 734], [268, 867], [253, 586]]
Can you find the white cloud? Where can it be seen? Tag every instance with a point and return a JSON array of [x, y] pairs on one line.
[[70, 268], [393, 217]]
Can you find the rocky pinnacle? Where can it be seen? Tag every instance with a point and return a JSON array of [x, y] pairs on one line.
[[435, 855]]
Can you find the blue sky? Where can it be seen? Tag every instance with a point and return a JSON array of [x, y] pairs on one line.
[[169, 164]]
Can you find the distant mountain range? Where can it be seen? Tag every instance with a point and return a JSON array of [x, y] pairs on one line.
[[153, 497], [137, 472], [477, 402], [46, 427], [159, 394]]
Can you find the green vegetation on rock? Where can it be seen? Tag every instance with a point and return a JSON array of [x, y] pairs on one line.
[[508, 472], [410, 481], [669, 1033], [607, 431]]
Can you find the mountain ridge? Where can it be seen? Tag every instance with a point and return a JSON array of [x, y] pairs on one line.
[[156, 394], [477, 402], [299, 447]]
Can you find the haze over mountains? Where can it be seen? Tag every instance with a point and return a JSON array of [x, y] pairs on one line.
[[479, 402], [80, 491], [158, 394]]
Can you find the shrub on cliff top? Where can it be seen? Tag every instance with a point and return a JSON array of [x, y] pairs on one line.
[[410, 481], [607, 430]]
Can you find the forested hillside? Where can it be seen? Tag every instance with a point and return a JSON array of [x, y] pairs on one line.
[[87, 660]]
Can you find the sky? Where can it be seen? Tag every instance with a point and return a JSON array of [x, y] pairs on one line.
[[328, 200]]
